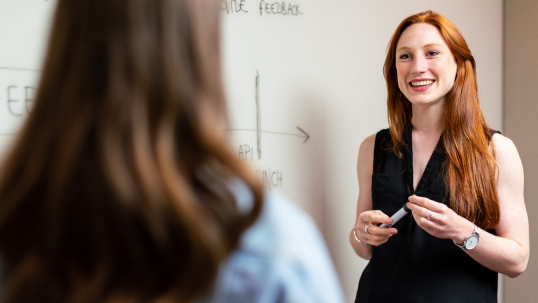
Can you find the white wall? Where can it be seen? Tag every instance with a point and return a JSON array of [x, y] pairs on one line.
[[320, 70]]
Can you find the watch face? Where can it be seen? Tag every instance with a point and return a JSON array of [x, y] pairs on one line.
[[471, 242]]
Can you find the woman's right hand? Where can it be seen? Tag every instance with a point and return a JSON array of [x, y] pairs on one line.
[[375, 235], [365, 215]]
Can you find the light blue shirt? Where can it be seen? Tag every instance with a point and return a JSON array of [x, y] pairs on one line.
[[281, 258]]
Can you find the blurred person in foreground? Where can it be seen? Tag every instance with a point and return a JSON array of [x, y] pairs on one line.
[[120, 186]]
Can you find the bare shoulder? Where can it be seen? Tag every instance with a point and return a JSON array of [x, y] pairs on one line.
[[505, 150], [510, 169], [367, 146], [365, 159]]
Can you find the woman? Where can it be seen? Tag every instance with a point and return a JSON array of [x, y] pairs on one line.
[[461, 182], [120, 186]]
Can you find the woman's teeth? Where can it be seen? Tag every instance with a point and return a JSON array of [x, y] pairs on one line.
[[421, 83]]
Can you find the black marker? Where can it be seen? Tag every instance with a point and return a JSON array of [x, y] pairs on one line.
[[397, 216]]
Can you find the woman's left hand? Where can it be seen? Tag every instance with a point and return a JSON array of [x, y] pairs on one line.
[[438, 219]]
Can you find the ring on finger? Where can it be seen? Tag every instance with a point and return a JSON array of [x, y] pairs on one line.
[[429, 216], [366, 228]]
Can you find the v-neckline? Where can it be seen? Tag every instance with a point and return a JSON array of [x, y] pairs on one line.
[[426, 177]]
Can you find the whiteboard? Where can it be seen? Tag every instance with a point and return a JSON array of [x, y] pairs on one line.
[[304, 85], [24, 25], [273, 61]]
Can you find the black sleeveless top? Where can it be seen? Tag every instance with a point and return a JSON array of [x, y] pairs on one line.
[[413, 266]]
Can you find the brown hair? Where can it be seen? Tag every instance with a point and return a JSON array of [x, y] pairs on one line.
[[118, 185], [470, 169]]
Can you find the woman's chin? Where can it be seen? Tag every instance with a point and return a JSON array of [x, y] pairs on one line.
[[425, 101]]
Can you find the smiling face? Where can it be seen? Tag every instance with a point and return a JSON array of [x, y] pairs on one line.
[[425, 66]]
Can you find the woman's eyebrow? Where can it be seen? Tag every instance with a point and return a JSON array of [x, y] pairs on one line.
[[424, 46], [432, 44]]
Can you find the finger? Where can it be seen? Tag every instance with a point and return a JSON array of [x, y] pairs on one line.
[[378, 216], [378, 243], [378, 240], [376, 230], [419, 210], [417, 218], [426, 203], [375, 240], [424, 222], [427, 225]]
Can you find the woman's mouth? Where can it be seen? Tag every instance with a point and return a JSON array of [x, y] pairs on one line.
[[421, 84]]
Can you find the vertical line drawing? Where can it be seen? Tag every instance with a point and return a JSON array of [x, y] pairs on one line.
[[258, 128], [258, 117]]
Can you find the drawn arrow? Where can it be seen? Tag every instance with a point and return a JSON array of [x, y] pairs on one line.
[[19, 69], [303, 135], [307, 135], [258, 117], [259, 130]]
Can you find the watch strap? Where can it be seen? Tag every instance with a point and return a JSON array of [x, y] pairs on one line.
[[476, 232]]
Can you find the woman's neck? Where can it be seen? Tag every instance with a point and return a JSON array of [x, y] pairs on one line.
[[428, 119]]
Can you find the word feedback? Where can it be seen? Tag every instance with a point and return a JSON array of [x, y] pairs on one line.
[[277, 8], [265, 7]]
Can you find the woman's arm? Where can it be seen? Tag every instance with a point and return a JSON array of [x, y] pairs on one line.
[[365, 215], [508, 251]]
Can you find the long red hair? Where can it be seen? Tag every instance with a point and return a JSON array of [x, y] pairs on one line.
[[470, 169]]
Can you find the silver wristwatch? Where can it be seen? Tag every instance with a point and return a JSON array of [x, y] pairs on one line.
[[471, 241]]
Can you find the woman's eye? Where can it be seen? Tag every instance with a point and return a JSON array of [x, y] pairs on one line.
[[404, 57], [432, 53]]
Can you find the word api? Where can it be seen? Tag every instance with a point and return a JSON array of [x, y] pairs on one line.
[[246, 153]]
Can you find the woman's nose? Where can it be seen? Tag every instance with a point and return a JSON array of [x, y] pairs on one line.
[[420, 65]]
